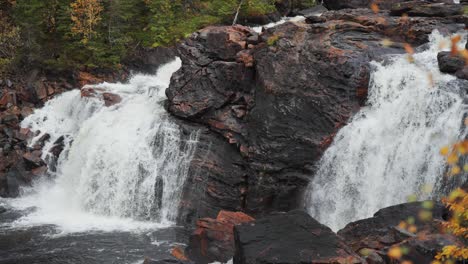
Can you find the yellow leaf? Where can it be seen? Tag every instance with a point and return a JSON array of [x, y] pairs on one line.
[[444, 151], [395, 253], [452, 158], [455, 170]]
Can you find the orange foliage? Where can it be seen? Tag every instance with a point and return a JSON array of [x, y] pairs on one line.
[[85, 16]]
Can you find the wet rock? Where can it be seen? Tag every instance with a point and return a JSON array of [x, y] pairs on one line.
[[39, 171], [449, 63], [58, 146], [147, 60], [23, 134], [463, 73], [382, 230], [40, 143], [213, 239], [90, 92], [280, 103], [313, 11], [33, 159], [416, 8], [15, 178], [111, 99], [216, 178], [292, 237], [2, 209]]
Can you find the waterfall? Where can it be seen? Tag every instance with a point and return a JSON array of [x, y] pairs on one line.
[[390, 149], [121, 165]]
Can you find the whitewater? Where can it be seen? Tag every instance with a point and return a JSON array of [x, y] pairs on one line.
[[123, 167], [389, 151]]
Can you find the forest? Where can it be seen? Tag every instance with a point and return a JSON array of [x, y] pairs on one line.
[[67, 35]]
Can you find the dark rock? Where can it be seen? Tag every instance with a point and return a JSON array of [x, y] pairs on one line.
[[39, 144], [216, 178], [33, 159], [449, 63], [463, 73], [111, 99], [292, 237], [147, 60], [278, 104], [213, 240], [382, 229], [15, 178], [58, 147], [2, 209], [314, 11], [416, 8], [9, 119]]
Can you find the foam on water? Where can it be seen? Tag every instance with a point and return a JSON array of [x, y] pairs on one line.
[[390, 149], [123, 167]]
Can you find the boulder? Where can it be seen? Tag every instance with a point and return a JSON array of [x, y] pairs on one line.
[[383, 228], [279, 98], [449, 63], [418, 9], [453, 64], [33, 159], [289, 238], [111, 99], [213, 240], [414, 228]]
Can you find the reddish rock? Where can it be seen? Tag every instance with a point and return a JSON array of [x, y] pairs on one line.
[[23, 134], [178, 253], [213, 240], [111, 99], [33, 159], [8, 99], [86, 78], [281, 114]]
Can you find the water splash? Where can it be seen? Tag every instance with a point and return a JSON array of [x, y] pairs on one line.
[[390, 149], [122, 166]]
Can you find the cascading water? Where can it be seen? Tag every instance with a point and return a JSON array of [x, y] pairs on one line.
[[122, 165], [390, 149]]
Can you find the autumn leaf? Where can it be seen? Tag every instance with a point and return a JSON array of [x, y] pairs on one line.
[[375, 8], [454, 48]]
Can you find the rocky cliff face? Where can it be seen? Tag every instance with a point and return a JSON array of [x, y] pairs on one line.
[[278, 98]]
